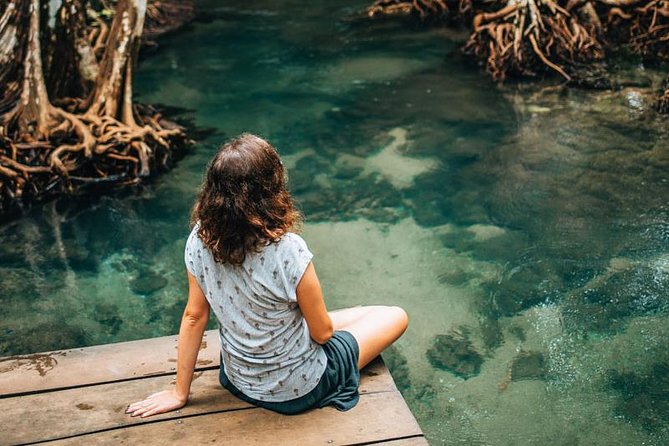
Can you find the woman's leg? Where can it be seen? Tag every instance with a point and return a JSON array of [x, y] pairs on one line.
[[346, 316], [374, 327]]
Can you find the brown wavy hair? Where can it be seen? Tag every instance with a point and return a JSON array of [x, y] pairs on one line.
[[244, 203]]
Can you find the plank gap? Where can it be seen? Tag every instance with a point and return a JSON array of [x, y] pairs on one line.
[[387, 440]]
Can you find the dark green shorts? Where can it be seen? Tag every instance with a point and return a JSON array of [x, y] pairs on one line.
[[337, 387]]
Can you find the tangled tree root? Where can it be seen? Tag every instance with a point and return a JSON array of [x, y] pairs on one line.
[[517, 37], [523, 38], [99, 136], [647, 30], [528, 36], [85, 150], [646, 23]]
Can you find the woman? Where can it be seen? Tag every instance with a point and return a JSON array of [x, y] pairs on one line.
[[280, 348]]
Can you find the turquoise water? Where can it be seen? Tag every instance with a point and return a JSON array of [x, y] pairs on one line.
[[524, 228]]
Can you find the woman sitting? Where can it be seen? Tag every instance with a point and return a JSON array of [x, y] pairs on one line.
[[280, 348]]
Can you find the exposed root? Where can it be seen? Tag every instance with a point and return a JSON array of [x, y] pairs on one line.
[[420, 8], [166, 16], [528, 36], [97, 36], [85, 150], [649, 30], [547, 62]]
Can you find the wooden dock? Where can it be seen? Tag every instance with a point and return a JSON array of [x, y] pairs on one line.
[[79, 396]]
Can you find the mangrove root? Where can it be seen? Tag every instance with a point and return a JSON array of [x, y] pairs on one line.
[[103, 138], [528, 36], [420, 8]]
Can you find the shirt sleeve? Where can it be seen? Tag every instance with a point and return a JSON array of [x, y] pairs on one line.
[[193, 254], [294, 261]]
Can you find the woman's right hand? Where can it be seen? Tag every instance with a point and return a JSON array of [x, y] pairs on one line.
[[160, 402]]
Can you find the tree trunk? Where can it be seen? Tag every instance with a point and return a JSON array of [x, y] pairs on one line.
[[74, 67], [112, 96], [31, 114], [12, 49]]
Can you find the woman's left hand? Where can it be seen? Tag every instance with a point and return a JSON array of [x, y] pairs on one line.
[[160, 402]]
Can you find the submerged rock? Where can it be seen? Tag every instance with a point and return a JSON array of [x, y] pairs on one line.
[[487, 242], [518, 333], [342, 199], [79, 257], [524, 286], [528, 365], [455, 353], [349, 166], [643, 397], [491, 333], [444, 197], [455, 276], [147, 282], [609, 301], [108, 315], [48, 335], [301, 178], [393, 164]]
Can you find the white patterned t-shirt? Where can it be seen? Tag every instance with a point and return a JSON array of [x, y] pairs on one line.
[[266, 348]]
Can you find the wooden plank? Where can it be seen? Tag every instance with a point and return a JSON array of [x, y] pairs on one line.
[[106, 363], [377, 417], [99, 364], [375, 377], [65, 413], [37, 417]]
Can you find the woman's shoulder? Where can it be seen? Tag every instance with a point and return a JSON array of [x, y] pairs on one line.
[[289, 245], [291, 241], [192, 236], [194, 242], [292, 238]]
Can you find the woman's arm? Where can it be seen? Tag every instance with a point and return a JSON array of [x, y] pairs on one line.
[[193, 323], [312, 305]]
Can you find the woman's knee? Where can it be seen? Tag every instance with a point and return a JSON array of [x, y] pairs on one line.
[[396, 316], [400, 317], [391, 319]]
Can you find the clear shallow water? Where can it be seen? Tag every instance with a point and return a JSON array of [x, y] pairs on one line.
[[524, 228]]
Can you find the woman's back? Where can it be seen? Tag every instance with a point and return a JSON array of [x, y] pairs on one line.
[[266, 348]]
